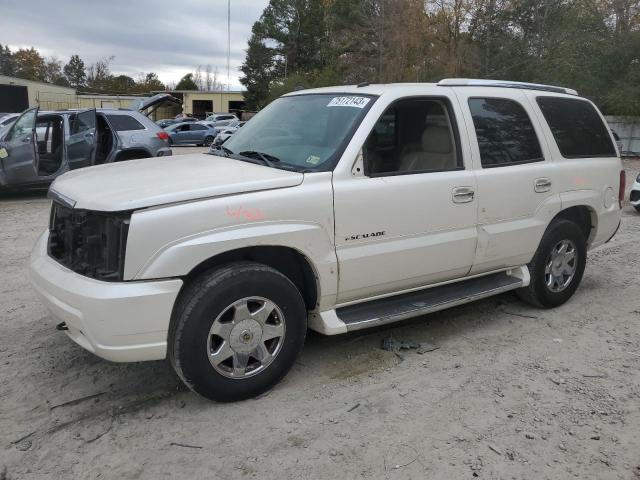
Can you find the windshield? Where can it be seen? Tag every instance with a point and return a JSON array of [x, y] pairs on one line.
[[303, 131]]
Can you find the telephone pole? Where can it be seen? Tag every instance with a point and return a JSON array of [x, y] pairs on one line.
[[228, 45]]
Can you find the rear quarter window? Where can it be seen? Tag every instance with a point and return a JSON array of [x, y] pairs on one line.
[[577, 128], [123, 123]]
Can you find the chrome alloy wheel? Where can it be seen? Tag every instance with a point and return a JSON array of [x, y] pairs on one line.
[[561, 266], [246, 337]]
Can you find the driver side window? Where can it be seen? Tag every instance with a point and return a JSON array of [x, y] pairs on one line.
[[413, 135], [23, 127]]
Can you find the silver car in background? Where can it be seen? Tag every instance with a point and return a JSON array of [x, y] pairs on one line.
[[40, 146]]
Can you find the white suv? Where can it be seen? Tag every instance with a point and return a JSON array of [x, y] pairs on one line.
[[334, 209]]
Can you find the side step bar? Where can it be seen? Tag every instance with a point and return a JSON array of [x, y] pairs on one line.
[[413, 304]]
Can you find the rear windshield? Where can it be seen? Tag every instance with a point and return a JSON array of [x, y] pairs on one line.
[[578, 129], [124, 122]]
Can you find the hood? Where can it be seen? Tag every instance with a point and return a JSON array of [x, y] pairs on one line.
[[155, 181]]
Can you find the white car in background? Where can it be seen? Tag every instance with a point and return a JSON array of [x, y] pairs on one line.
[[227, 132], [634, 197]]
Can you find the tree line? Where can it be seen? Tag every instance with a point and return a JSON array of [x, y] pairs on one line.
[[96, 77], [590, 45]]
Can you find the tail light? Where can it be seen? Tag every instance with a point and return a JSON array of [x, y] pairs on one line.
[[623, 184], [162, 135]]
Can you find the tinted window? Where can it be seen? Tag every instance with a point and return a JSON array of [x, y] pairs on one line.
[[124, 122], [413, 135], [577, 127], [197, 126], [504, 132]]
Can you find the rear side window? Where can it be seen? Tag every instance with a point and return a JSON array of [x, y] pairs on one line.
[[578, 129], [504, 132], [124, 123]]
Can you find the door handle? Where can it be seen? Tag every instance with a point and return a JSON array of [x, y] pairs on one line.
[[542, 185], [463, 195]]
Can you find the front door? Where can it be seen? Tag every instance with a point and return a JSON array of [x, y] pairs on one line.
[[81, 143], [410, 219], [18, 150], [516, 179]]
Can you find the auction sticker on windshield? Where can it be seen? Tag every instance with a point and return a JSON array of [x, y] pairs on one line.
[[357, 102]]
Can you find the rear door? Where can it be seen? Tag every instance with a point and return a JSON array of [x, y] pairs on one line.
[[197, 133], [18, 150], [81, 143], [515, 175]]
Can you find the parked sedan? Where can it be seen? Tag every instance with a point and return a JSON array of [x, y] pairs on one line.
[[190, 133], [172, 121]]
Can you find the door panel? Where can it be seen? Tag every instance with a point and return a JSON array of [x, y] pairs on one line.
[[81, 144], [20, 164], [516, 185], [410, 220], [400, 232]]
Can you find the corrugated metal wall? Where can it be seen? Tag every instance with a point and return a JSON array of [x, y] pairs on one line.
[[628, 129]]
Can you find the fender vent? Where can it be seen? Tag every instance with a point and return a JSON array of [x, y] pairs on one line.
[[89, 243]]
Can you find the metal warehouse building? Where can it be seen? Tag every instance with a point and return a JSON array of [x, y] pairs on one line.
[[18, 94], [200, 103]]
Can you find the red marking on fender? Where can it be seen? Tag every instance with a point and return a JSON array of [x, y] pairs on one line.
[[250, 214], [580, 182]]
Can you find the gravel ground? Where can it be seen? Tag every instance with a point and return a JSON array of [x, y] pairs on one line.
[[512, 392]]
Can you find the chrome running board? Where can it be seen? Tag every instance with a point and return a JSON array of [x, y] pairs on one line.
[[413, 304]]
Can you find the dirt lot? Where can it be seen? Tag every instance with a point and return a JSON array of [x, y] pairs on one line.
[[512, 392]]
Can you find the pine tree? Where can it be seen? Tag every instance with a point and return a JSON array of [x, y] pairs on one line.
[[75, 73]]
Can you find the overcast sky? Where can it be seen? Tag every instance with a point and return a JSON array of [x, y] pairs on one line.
[[170, 38]]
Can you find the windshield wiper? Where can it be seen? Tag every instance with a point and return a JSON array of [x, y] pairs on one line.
[[265, 157]]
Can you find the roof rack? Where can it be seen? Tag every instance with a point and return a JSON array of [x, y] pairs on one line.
[[474, 82]]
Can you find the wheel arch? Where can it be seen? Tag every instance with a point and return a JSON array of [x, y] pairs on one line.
[[582, 215], [292, 263]]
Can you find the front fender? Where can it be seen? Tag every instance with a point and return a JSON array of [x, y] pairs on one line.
[[169, 242]]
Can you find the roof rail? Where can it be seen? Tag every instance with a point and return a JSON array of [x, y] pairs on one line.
[[474, 82]]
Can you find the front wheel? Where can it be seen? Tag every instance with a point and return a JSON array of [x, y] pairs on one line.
[[236, 331], [557, 266]]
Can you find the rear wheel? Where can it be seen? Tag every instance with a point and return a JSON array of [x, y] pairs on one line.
[[557, 267], [236, 331], [637, 207], [208, 141]]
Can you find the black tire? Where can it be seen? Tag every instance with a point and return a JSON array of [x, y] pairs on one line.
[[208, 141], [538, 293], [637, 207], [204, 300]]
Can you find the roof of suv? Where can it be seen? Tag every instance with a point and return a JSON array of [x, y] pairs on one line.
[[379, 89]]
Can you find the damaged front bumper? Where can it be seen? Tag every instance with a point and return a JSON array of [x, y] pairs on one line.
[[118, 321]]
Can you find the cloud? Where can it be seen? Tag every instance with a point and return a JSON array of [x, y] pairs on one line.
[[169, 38]]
